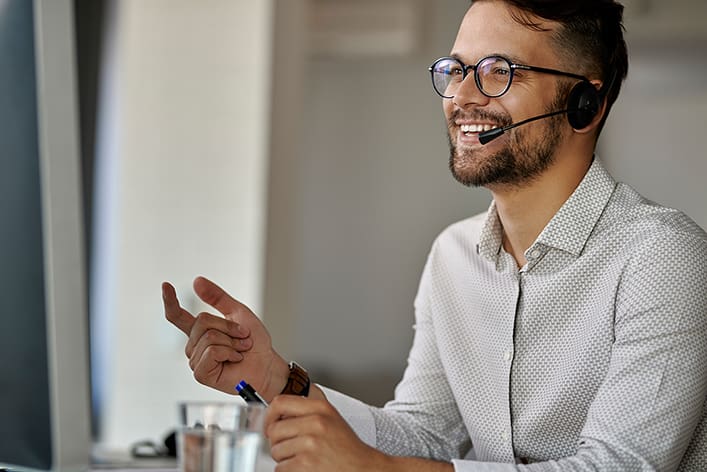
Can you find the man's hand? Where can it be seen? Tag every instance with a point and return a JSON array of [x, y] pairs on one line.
[[307, 434], [222, 351], [310, 435]]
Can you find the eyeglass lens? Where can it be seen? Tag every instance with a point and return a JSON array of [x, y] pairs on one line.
[[492, 76]]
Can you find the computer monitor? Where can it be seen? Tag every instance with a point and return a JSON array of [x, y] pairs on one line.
[[44, 366]]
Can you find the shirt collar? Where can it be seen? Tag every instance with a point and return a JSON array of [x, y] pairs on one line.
[[573, 223], [491, 237]]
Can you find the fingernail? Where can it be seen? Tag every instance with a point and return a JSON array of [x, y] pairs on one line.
[[236, 356]]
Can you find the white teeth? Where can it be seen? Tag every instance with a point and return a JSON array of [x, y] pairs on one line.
[[475, 128]]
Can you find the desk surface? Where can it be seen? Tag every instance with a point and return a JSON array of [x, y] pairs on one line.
[[265, 464]]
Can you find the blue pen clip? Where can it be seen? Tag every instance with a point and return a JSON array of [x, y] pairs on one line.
[[248, 393]]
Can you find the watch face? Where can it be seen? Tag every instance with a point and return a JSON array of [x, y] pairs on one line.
[[298, 382]]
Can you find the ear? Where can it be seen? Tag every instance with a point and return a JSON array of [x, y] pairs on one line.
[[594, 124]]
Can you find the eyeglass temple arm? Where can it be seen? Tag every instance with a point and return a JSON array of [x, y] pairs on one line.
[[550, 71]]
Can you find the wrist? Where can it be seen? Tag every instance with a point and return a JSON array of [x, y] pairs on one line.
[[316, 393], [385, 463], [287, 379], [279, 373]]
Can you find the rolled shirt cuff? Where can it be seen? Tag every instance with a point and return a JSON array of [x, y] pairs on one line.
[[356, 413]]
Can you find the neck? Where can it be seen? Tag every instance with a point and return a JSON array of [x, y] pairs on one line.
[[525, 210]]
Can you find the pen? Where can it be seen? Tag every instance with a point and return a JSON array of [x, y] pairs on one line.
[[248, 393]]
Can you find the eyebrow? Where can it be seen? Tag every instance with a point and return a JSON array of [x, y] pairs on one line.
[[510, 57], [456, 56]]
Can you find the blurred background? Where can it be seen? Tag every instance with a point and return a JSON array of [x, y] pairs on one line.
[[294, 152]]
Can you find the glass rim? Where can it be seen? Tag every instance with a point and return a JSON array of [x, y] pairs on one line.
[[220, 403]]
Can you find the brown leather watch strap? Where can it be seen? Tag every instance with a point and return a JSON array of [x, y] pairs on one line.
[[298, 381]]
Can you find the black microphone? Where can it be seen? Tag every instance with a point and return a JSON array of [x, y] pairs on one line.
[[488, 136]]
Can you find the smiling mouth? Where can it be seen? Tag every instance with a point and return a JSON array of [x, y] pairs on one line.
[[471, 129]]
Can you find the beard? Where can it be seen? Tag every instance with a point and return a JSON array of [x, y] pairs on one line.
[[519, 162]]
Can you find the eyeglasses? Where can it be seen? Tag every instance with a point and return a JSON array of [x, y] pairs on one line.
[[493, 75]]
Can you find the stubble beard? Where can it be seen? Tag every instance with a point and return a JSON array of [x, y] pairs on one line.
[[518, 163]]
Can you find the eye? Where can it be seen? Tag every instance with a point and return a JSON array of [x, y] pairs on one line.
[[451, 69]]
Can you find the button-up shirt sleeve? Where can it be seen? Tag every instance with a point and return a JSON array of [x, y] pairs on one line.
[[424, 419]]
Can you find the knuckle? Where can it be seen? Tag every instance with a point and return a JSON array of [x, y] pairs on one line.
[[276, 401], [231, 325], [306, 462], [310, 443], [275, 452], [319, 425], [211, 335], [208, 352], [213, 354], [200, 377], [203, 318]]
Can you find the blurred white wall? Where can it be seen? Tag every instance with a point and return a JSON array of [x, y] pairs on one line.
[[359, 186], [180, 191], [654, 138]]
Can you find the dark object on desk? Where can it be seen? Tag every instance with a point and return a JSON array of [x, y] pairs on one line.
[[148, 449], [170, 443]]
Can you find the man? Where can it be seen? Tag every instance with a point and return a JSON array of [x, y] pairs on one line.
[[566, 329]]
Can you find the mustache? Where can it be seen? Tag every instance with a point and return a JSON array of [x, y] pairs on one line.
[[499, 119]]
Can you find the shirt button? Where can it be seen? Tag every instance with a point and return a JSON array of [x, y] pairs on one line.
[[535, 253], [507, 355], [504, 436]]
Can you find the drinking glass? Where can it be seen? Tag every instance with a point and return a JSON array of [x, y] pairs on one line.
[[219, 437]]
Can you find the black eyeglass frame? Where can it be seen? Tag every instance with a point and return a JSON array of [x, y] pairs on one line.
[[511, 65]]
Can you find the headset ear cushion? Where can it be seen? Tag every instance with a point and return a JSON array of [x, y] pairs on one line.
[[583, 103]]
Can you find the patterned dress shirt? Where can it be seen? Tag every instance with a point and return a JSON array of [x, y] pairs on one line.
[[593, 356]]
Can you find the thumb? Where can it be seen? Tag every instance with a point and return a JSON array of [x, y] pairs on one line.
[[218, 298]]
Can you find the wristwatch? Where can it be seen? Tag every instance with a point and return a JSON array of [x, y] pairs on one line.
[[297, 382]]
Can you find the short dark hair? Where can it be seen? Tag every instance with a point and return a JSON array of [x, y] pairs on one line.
[[591, 35]]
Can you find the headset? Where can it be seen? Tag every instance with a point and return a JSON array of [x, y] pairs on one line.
[[583, 104]]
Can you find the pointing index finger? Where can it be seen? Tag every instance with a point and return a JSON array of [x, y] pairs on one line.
[[174, 313]]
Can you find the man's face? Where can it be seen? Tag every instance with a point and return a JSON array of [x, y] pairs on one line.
[[523, 153]]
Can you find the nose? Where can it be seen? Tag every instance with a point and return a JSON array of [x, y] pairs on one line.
[[469, 94]]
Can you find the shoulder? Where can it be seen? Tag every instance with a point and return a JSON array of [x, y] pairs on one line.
[[451, 252], [661, 248], [458, 241], [645, 226], [456, 246], [462, 234]]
